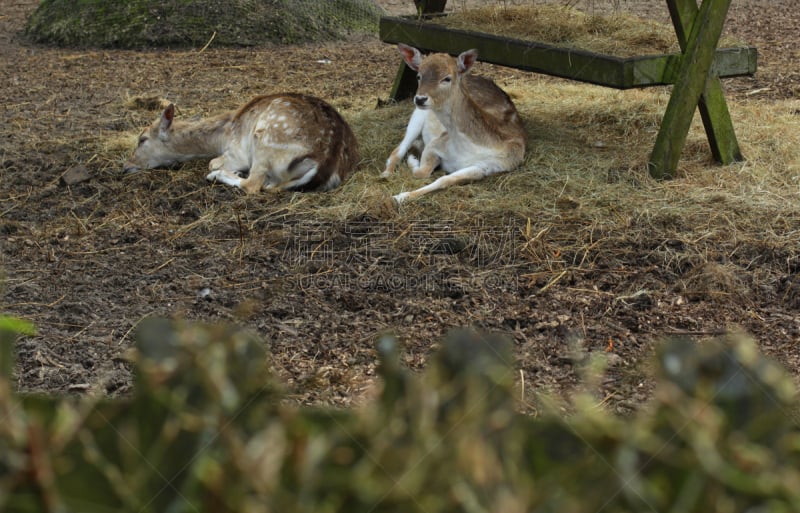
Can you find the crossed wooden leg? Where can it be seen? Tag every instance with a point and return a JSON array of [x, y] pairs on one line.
[[698, 32]]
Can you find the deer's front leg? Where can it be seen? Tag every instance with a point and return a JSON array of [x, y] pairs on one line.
[[413, 132], [224, 176], [250, 185], [229, 169], [429, 160], [218, 173], [391, 162]]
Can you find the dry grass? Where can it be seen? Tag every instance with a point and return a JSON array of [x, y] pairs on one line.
[[584, 178], [584, 193], [618, 34]]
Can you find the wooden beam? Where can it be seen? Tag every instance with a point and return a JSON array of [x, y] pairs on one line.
[[663, 69], [405, 83], [584, 66]]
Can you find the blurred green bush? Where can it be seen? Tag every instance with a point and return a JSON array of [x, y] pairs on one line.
[[208, 430]]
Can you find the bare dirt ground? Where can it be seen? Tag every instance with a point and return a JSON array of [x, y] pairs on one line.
[[87, 261]]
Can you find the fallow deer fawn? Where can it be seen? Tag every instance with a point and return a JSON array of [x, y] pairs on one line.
[[468, 125], [284, 141]]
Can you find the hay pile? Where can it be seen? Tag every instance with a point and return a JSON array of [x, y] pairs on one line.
[[193, 23]]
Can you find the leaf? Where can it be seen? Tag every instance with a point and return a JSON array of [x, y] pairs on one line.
[[17, 326]]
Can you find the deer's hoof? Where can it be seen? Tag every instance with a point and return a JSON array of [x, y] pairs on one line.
[[401, 198], [130, 169]]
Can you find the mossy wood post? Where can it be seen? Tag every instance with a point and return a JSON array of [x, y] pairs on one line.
[[713, 109], [430, 6], [405, 82], [698, 32]]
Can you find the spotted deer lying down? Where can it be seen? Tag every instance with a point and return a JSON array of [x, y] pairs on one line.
[[469, 127], [282, 141]]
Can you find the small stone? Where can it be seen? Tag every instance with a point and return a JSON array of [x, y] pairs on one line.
[[75, 175]]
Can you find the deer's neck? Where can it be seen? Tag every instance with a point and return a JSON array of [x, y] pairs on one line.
[[462, 114], [204, 138]]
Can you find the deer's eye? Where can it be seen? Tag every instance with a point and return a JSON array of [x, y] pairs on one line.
[[142, 140], [447, 79]]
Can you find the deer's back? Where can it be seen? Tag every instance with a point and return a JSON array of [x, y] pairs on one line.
[[496, 105], [312, 125]]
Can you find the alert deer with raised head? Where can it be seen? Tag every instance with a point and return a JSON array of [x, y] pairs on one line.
[[469, 126], [282, 141]]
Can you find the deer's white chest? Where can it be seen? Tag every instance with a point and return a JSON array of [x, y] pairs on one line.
[[459, 150]]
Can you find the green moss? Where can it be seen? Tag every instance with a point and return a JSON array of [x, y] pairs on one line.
[[188, 23]]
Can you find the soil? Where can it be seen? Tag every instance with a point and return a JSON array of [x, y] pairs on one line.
[[87, 259]]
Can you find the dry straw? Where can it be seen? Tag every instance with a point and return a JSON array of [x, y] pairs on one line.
[[618, 34]]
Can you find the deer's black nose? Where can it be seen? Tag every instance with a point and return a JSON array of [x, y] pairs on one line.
[[420, 101]]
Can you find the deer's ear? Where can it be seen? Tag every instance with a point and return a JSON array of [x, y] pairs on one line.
[[166, 121], [466, 60], [411, 55]]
